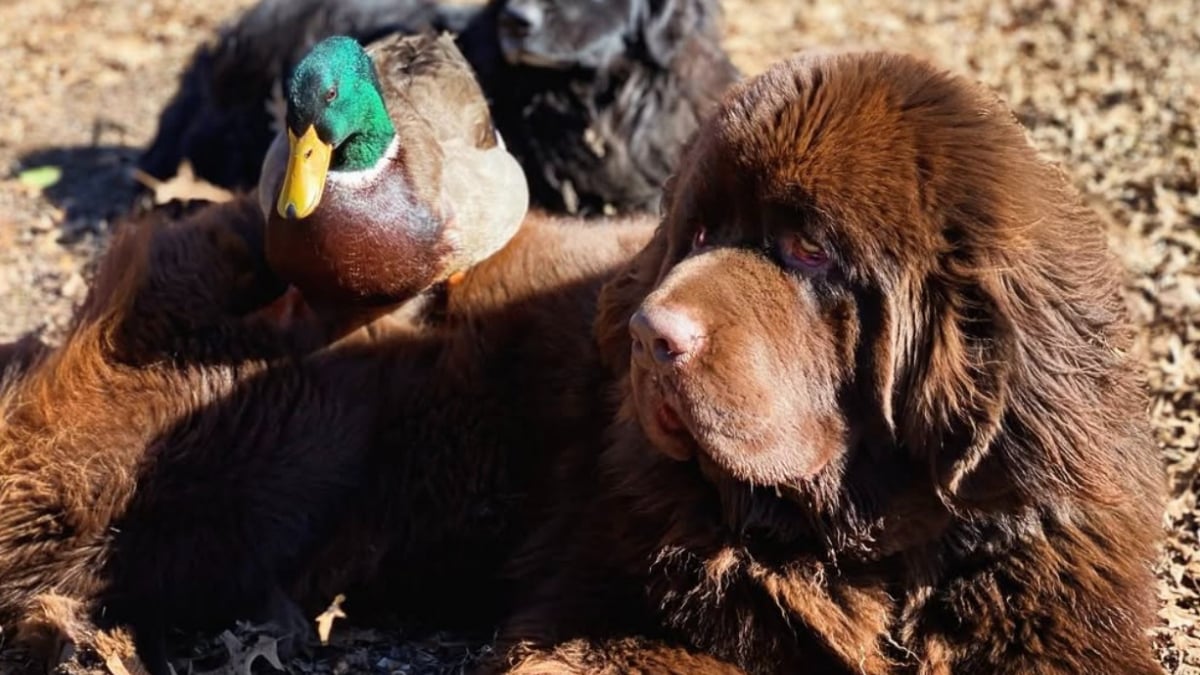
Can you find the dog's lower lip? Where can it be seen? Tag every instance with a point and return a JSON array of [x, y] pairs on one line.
[[669, 420], [679, 444]]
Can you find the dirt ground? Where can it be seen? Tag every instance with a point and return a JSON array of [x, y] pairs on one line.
[[1109, 87]]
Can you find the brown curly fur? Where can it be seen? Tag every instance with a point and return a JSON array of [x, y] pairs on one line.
[[184, 460], [172, 462], [928, 455], [493, 375]]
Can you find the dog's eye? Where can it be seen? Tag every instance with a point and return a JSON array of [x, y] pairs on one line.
[[699, 238], [800, 252]]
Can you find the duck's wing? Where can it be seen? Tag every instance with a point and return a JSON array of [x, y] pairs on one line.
[[427, 81], [426, 76]]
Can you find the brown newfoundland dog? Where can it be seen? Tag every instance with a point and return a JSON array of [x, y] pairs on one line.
[[877, 412]]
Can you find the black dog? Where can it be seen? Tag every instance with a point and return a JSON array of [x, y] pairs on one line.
[[594, 98]]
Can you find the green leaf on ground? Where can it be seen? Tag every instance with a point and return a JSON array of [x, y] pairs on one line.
[[40, 177]]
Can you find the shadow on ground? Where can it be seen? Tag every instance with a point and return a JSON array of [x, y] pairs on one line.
[[95, 186]]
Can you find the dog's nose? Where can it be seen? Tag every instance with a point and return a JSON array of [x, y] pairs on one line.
[[521, 18], [668, 336]]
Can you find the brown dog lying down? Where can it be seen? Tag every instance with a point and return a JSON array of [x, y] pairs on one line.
[[877, 413], [181, 461]]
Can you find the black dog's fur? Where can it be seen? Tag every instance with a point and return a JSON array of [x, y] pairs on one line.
[[596, 102], [602, 129]]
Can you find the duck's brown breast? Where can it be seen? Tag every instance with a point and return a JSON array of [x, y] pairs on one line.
[[368, 242]]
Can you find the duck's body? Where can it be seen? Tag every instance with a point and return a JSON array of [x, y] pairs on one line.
[[382, 223], [370, 241]]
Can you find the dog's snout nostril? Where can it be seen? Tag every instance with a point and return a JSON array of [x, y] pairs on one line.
[[639, 331], [663, 351], [669, 335]]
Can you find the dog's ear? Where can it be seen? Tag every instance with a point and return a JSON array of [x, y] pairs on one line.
[[621, 296], [1020, 383], [955, 394], [666, 24]]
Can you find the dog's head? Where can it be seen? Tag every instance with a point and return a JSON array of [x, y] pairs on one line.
[[863, 262], [594, 33]]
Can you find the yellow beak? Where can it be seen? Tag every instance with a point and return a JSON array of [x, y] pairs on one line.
[[308, 164]]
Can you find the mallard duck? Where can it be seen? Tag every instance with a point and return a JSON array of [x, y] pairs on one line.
[[389, 176]]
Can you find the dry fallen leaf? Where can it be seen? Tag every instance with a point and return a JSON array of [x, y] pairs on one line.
[[266, 647], [183, 186], [325, 619]]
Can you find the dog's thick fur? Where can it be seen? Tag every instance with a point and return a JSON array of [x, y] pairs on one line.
[[174, 460], [598, 100], [183, 460], [915, 443], [494, 375], [595, 103]]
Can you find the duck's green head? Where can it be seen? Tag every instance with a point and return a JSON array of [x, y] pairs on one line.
[[336, 121]]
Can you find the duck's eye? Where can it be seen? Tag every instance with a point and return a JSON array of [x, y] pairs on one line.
[[331, 94], [800, 252], [699, 238]]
